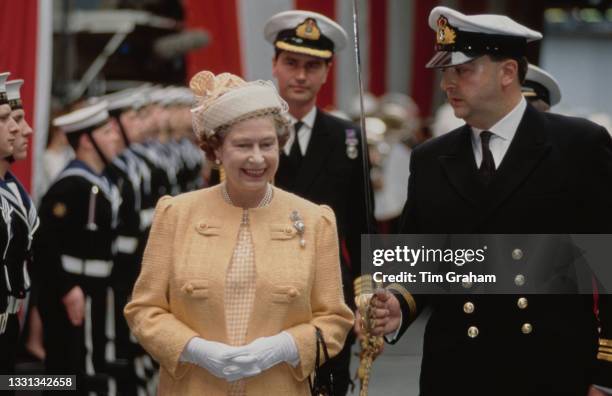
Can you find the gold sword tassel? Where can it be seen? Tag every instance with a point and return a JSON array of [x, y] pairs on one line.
[[371, 345]]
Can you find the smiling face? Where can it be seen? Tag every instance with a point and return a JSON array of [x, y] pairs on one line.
[[249, 154], [8, 131], [22, 138]]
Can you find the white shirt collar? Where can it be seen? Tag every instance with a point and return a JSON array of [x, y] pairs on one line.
[[507, 126], [308, 119]]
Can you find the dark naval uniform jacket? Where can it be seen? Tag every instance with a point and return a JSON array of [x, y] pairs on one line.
[[555, 178], [19, 223], [78, 215], [125, 174], [328, 175]]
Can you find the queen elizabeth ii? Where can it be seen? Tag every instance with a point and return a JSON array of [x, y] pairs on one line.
[[237, 277]]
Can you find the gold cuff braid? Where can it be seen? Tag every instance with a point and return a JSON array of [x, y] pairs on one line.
[[605, 356], [605, 342], [407, 297]]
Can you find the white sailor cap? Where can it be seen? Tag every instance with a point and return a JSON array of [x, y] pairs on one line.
[[3, 77], [123, 100], [305, 32], [84, 119], [539, 84], [142, 96], [13, 95], [461, 38]]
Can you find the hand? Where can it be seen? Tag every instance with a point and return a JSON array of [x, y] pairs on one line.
[[269, 351], [593, 391], [385, 314], [221, 360], [74, 301]]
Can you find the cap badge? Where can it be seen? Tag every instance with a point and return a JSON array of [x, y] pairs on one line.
[[308, 30], [446, 33]]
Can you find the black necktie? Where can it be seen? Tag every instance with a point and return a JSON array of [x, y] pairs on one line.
[[295, 154], [487, 167]]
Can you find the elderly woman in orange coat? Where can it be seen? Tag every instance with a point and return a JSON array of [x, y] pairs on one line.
[[236, 277]]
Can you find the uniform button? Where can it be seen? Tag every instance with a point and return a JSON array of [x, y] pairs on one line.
[[519, 280], [189, 288], [466, 284], [517, 254], [292, 293], [522, 303], [468, 307], [202, 226], [473, 332], [527, 328], [288, 230]]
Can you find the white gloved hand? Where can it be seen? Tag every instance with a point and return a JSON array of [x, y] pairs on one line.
[[269, 351], [216, 357]]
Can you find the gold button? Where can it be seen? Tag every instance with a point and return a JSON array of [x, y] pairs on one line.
[[522, 303], [517, 254], [527, 328], [519, 280], [468, 307], [466, 284], [473, 332], [292, 293]]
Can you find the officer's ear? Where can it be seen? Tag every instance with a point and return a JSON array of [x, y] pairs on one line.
[[274, 65], [328, 64], [509, 72]]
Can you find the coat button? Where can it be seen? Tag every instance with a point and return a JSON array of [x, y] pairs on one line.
[[522, 303], [468, 307], [288, 230], [292, 293], [519, 280], [517, 254], [472, 332], [189, 288], [527, 328], [202, 226]]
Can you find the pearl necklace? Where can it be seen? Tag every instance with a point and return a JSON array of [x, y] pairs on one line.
[[265, 201]]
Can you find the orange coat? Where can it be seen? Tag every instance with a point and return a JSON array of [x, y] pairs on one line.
[[179, 293]]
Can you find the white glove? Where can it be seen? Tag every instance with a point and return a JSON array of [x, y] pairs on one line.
[[216, 358], [270, 351]]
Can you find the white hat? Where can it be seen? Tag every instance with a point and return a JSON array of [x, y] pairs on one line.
[[123, 102], [86, 118], [13, 95], [305, 32], [3, 77], [225, 99], [461, 38], [539, 84], [142, 96]]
